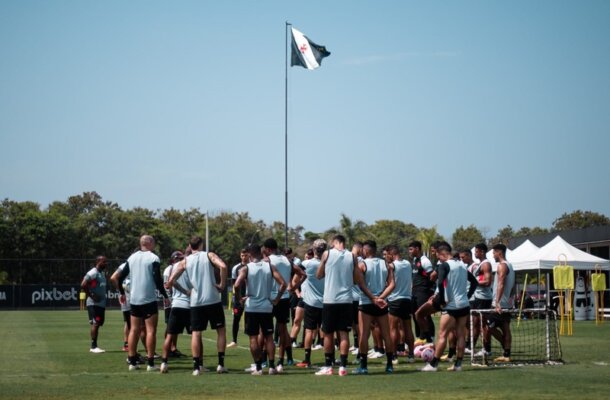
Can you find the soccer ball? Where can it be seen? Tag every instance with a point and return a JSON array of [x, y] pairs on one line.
[[427, 354], [417, 351], [127, 285]]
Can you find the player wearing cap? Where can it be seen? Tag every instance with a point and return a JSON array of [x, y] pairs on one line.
[[143, 268], [180, 312], [259, 277], [205, 300], [452, 298], [94, 284]]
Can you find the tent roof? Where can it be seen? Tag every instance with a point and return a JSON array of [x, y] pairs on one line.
[[524, 252], [549, 255]]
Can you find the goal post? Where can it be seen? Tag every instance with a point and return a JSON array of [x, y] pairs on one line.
[[534, 331]]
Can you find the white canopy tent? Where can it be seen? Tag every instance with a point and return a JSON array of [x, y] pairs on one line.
[[524, 252], [551, 253]]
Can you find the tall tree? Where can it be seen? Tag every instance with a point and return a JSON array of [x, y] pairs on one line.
[[427, 236], [504, 236], [580, 219], [396, 232], [465, 238]]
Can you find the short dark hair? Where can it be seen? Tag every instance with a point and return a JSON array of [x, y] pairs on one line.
[[371, 244], [392, 249], [309, 253], [243, 251], [440, 243], [357, 243], [416, 244], [466, 251], [254, 250], [339, 238], [501, 247], [482, 247], [288, 251], [443, 247], [195, 242], [270, 243]]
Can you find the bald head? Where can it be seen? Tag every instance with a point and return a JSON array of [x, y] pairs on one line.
[[147, 243]]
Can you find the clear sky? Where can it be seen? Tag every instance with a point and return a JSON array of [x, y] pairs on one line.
[[436, 113]]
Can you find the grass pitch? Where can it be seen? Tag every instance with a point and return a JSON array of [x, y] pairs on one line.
[[45, 356]]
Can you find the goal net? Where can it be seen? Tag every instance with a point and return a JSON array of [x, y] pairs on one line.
[[535, 338]]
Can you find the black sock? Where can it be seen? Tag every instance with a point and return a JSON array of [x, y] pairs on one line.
[[164, 360], [458, 362], [434, 362], [451, 352], [93, 343], [196, 362], [400, 347], [487, 347], [264, 360], [221, 359], [280, 361], [124, 344], [271, 363], [308, 356], [151, 361], [259, 364], [328, 359], [506, 352], [343, 360], [390, 357], [133, 360], [363, 361], [288, 353], [293, 340]]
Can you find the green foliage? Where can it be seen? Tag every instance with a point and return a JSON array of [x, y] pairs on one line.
[[580, 219], [387, 232], [504, 236], [466, 238]]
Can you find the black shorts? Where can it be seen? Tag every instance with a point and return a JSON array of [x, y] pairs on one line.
[[313, 317], [281, 311], [480, 304], [355, 310], [167, 312], [127, 317], [257, 322], [144, 310], [337, 317], [294, 300], [97, 315], [495, 320], [400, 308], [213, 313], [419, 298], [179, 319], [301, 303], [462, 312], [373, 310]]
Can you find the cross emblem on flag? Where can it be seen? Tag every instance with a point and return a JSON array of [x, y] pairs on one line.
[[303, 48]]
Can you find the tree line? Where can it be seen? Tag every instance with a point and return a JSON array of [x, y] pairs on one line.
[[86, 225]]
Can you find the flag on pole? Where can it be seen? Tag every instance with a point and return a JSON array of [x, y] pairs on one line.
[[306, 53]]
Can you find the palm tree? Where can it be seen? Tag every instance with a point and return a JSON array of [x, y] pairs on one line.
[[427, 236]]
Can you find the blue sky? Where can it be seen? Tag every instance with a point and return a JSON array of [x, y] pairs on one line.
[[436, 113]]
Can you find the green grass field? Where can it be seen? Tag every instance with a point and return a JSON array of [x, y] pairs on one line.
[[45, 355]]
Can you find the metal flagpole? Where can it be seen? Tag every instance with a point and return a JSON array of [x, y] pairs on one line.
[[286, 141]]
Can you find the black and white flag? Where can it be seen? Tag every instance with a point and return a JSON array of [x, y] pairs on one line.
[[306, 53]]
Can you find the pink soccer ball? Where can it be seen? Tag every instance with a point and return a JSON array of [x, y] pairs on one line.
[[417, 351], [427, 354]]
